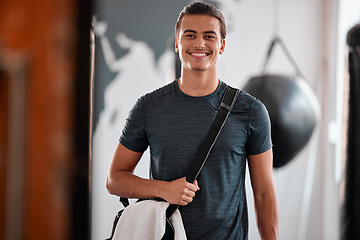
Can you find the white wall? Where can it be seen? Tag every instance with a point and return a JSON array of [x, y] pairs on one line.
[[307, 188]]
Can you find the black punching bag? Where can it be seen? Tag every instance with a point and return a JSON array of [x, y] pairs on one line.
[[292, 107], [350, 211]]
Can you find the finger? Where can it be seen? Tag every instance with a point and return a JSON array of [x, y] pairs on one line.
[[190, 193], [196, 184], [183, 203], [187, 199], [192, 187]]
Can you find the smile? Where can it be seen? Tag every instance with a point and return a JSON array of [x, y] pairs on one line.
[[199, 54]]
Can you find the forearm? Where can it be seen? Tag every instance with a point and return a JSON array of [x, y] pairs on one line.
[[260, 167], [126, 184], [267, 216], [122, 182]]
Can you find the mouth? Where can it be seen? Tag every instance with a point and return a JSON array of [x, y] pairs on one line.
[[199, 54]]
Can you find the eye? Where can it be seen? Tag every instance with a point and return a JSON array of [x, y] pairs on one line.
[[210, 37], [190, 35]]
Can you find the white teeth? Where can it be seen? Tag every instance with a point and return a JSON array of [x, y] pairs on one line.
[[198, 54]]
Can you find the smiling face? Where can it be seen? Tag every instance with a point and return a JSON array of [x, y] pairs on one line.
[[199, 43]]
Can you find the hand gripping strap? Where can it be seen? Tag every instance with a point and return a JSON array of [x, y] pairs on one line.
[[227, 103]]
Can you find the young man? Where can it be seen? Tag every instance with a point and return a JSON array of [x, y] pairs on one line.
[[173, 121]]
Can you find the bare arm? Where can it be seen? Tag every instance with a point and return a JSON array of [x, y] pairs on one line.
[[260, 167], [121, 181]]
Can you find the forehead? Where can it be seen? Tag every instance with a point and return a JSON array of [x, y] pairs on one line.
[[200, 23]]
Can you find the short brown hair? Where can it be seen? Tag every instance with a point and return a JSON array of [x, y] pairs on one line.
[[200, 8]]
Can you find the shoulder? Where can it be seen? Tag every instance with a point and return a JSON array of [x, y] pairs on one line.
[[158, 93], [247, 102], [255, 109]]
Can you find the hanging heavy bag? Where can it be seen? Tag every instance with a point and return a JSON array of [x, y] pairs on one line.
[[292, 107], [155, 220]]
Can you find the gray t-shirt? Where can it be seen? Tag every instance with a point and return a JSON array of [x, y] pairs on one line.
[[174, 124]]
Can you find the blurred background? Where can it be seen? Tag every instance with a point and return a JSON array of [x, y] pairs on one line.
[[44, 119], [71, 70]]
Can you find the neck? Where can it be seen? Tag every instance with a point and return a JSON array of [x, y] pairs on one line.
[[198, 84]]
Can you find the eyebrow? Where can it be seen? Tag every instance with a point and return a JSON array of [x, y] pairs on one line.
[[206, 32]]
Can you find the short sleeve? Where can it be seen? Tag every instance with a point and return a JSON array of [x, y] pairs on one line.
[[133, 135], [259, 129]]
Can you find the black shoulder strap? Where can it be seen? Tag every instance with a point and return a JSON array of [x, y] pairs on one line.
[[227, 103]]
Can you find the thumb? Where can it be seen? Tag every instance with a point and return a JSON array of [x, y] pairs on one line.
[[196, 184]]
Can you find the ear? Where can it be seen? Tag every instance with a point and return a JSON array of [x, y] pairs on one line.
[[176, 45], [222, 48]]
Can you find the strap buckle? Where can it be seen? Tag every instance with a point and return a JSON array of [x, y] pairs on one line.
[[229, 97], [226, 106]]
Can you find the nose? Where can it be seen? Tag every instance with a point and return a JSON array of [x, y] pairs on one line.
[[200, 43]]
